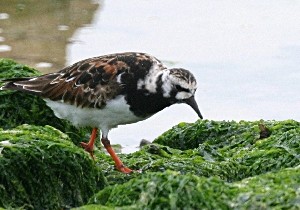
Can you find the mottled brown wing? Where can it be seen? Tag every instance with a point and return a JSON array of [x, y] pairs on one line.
[[89, 83]]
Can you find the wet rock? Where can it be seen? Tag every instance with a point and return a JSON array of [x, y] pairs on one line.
[[41, 168]]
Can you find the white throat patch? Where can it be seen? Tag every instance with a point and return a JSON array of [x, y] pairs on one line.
[[149, 83], [167, 84]]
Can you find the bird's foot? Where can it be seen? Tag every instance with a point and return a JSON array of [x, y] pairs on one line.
[[89, 148], [124, 169]]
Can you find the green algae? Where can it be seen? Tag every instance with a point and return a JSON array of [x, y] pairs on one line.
[[40, 167], [238, 158], [172, 190], [280, 190], [227, 134], [17, 108], [95, 207], [242, 158], [10, 69], [189, 135], [235, 150], [167, 190]]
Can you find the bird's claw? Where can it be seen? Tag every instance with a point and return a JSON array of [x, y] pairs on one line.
[[124, 169], [89, 148]]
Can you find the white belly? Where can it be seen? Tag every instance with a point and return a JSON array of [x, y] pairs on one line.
[[116, 112]]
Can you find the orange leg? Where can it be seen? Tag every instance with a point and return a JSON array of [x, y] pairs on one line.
[[89, 147], [118, 162]]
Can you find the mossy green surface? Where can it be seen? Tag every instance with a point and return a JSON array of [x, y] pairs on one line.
[[17, 108], [202, 165], [235, 150], [251, 165], [11, 69], [41, 168], [279, 190], [172, 190], [167, 190]]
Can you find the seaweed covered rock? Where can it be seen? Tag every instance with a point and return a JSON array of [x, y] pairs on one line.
[[256, 165], [222, 133], [17, 108], [279, 190], [239, 153], [41, 168], [235, 150], [189, 135], [172, 190], [167, 190], [11, 69]]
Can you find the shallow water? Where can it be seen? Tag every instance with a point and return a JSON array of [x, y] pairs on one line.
[[244, 54]]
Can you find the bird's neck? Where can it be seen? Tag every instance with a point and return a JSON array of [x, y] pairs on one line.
[[148, 97]]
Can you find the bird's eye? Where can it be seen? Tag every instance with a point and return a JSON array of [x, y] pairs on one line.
[[180, 89]]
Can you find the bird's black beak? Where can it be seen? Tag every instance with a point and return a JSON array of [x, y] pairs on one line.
[[192, 102]]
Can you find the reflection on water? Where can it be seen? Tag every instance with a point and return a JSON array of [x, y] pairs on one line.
[[36, 32]]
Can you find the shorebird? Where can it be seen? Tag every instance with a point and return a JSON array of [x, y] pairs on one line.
[[110, 90]]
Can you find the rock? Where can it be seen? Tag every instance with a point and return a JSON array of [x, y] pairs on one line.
[[233, 157], [41, 168], [172, 190], [144, 142]]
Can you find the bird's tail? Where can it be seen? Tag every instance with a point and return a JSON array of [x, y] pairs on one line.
[[26, 84]]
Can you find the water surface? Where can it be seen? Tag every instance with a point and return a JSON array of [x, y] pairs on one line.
[[244, 54]]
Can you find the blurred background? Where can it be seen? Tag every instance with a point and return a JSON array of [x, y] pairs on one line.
[[244, 54]]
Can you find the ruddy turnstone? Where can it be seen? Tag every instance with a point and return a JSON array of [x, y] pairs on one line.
[[107, 91]]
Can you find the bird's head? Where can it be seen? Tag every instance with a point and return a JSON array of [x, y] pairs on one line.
[[180, 86]]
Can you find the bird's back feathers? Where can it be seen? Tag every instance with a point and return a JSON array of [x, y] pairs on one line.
[[91, 82]]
